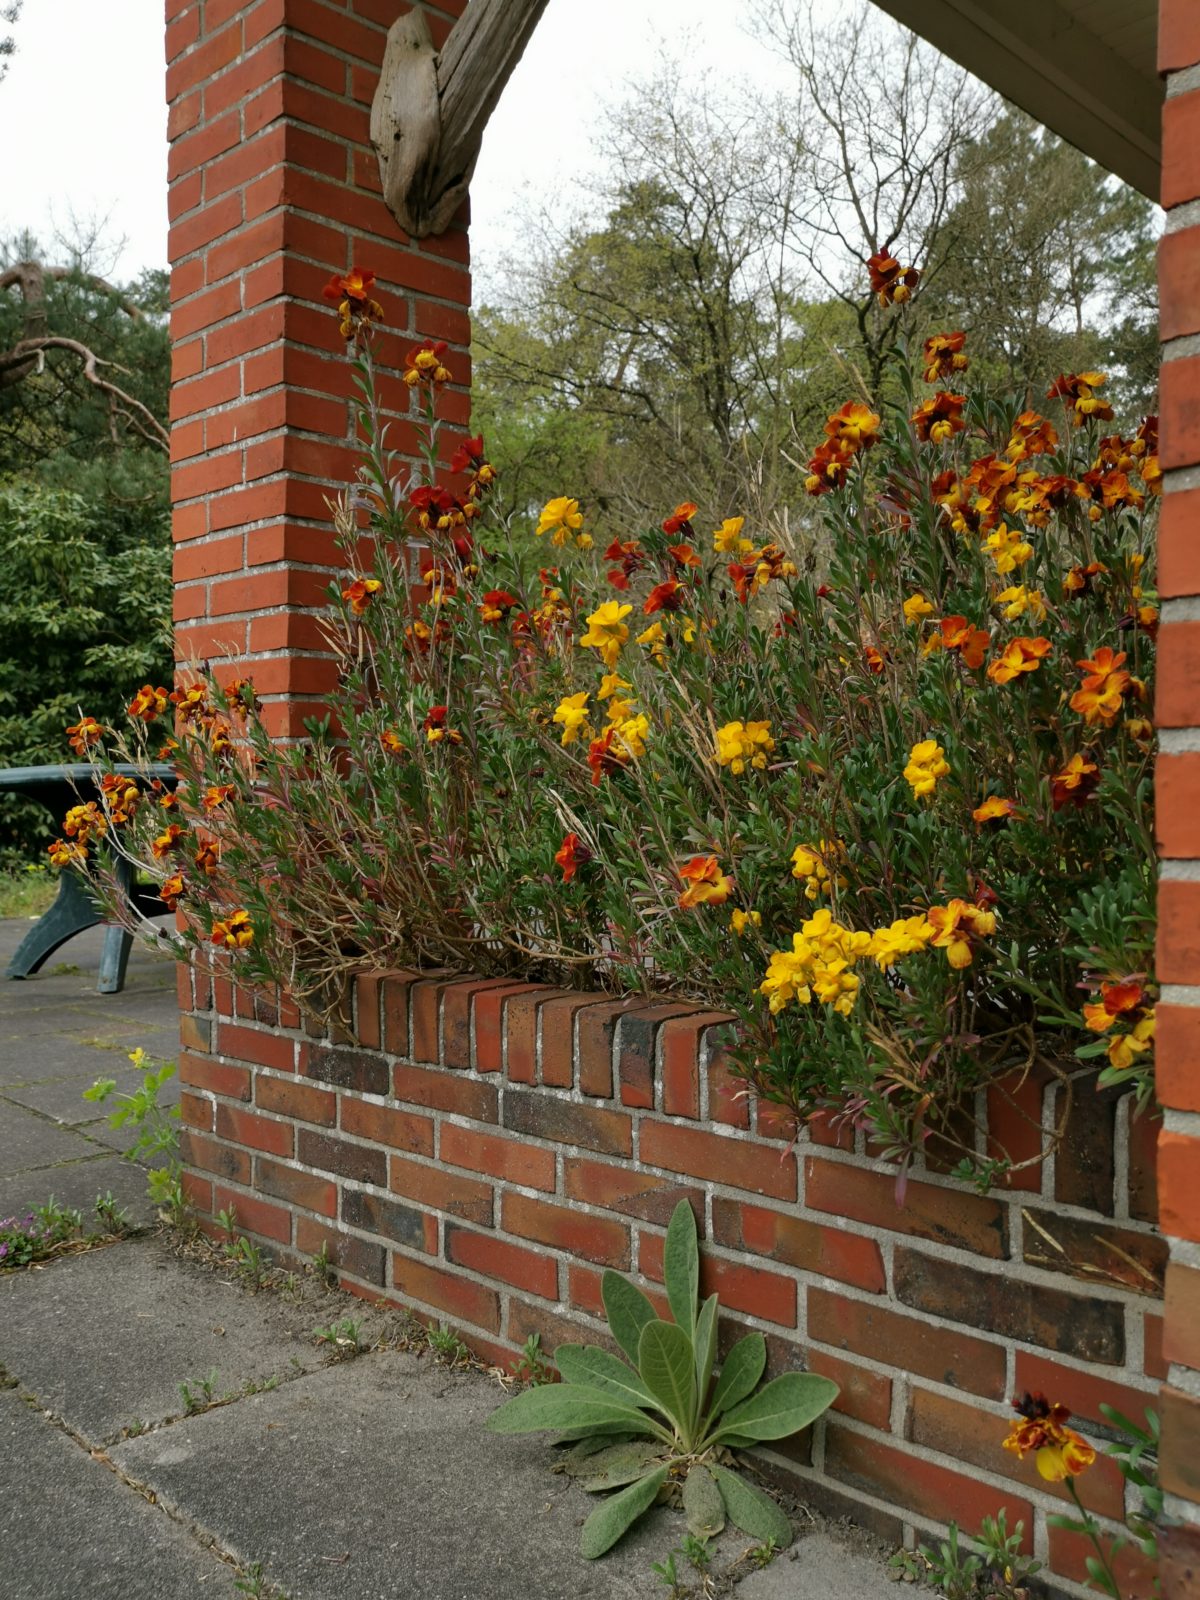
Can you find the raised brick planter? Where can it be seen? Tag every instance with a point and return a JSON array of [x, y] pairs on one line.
[[500, 1144]]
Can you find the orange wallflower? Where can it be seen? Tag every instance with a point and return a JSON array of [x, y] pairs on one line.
[[891, 283], [167, 841], [435, 727], [359, 594], [1078, 391], [571, 855], [941, 418], [1019, 655], [668, 596], [496, 605], [853, 426], [704, 883], [958, 927], [148, 703], [121, 797], [67, 852], [234, 932], [1099, 699], [1032, 435], [215, 796], [680, 520], [425, 363], [1040, 1427], [996, 810], [351, 293], [1116, 1000], [208, 857], [944, 355], [1075, 783], [970, 642], [828, 468], [83, 734], [172, 890]]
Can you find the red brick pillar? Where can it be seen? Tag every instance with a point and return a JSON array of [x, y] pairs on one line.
[[274, 186], [1178, 716]]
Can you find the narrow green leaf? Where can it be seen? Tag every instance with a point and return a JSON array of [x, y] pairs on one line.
[[743, 1367], [705, 1349], [612, 1517], [781, 1407], [665, 1362], [702, 1503], [589, 1365], [681, 1267], [628, 1311], [566, 1406], [751, 1510]]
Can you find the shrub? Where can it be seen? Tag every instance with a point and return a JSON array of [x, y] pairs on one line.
[[882, 793]]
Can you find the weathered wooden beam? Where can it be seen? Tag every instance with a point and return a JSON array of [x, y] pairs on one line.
[[430, 110]]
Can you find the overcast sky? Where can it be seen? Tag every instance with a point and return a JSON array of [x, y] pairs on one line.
[[83, 121]]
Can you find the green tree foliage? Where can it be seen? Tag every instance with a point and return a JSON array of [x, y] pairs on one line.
[[687, 335], [84, 599]]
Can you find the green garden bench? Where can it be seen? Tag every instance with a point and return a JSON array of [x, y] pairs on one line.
[[74, 910]]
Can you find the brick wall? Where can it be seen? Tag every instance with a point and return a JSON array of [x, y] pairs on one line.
[[499, 1144], [273, 187], [1178, 785]]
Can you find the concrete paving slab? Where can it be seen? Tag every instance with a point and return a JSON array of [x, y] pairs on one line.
[[104, 1339], [29, 1141], [62, 1098], [819, 1567], [375, 1478], [70, 1528], [78, 1185]]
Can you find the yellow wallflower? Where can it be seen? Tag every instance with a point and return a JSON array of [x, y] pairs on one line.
[[1017, 600], [655, 640], [611, 684], [916, 607], [607, 632], [818, 964], [572, 714], [743, 744], [630, 735], [741, 920], [1008, 548], [904, 937], [728, 541], [926, 764], [812, 862], [560, 518]]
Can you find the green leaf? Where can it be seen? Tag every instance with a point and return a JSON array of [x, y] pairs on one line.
[[751, 1510], [620, 1463], [704, 1347], [665, 1362], [781, 1407], [681, 1267], [743, 1367], [589, 1365], [101, 1089], [702, 1503], [614, 1516], [628, 1311], [566, 1406]]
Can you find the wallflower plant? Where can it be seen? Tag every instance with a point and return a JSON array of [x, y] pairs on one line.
[[877, 784]]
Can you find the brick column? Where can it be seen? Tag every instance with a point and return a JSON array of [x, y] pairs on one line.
[[1178, 716], [274, 186]]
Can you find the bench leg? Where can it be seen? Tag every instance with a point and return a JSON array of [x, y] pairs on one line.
[[73, 911], [114, 958]]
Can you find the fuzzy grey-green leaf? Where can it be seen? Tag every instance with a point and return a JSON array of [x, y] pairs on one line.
[[628, 1311], [619, 1464], [751, 1510], [704, 1347], [665, 1362], [702, 1503], [620, 1511], [781, 1407], [681, 1267], [742, 1368], [588, 1364], [565, 1406]]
